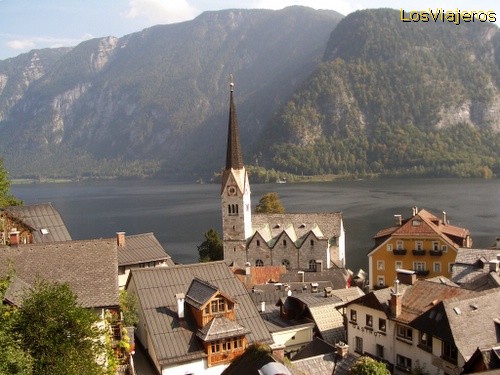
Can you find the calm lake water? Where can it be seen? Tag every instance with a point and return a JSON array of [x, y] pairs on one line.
[[179, 214]]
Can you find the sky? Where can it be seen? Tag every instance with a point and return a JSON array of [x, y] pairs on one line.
[[35, 24]]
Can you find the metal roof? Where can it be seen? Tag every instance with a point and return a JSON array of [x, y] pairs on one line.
[[142, 248], [44, 220], [172, 341]]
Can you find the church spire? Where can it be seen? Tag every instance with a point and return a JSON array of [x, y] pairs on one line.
[[234, 159]]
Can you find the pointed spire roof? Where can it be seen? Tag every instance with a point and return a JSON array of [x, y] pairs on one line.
[[234, 158]]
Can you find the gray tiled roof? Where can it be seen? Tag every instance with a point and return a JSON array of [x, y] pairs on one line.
[[142, 248], [89, 267], [471, 269], [156, 289], [298, 225], [200, 292], [38, 217], [15, 292], [324, 364], [221, 327]]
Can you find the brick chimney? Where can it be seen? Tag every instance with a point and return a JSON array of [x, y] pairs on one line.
[[398, 220], [396, 300], [342, 349], [407, 277], [494, 265], [120, 239], [498, 243]]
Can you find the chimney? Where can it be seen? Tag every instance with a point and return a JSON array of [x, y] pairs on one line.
[[120, 239], [262, 306], [498, 243], [247, 269], [301, 276], [342, 349], [398, 220], [494, 265], [445, 218], [14, 237], [180, 304], [408, 277], [396, 300]]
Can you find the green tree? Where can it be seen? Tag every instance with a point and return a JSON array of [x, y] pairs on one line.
[[6, 198], [270, 204], [13, 359], [368, 366], [212, 248], [128, 306], [60, 335]]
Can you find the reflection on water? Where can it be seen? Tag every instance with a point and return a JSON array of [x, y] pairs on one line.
[[179, 214]]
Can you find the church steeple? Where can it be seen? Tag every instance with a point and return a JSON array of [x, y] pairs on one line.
[[234, 158]]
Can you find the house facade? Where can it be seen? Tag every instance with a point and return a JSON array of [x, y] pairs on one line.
[[424, 243], [297, 241], [418, 325], [194, 319]]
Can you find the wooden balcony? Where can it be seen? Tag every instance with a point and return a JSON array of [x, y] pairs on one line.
[[418, 252]]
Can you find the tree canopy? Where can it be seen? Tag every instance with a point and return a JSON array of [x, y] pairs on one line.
[[270, 203], [61, 336], [211, 249], [368, 366], [6, 198]]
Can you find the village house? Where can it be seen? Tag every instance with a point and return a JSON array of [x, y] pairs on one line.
[[477, 269], [196, 318], [139, 251], [426, 323], [36, 223], [297, 241], [424, 243]]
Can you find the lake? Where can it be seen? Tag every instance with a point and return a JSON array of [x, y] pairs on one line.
[[179, 214]]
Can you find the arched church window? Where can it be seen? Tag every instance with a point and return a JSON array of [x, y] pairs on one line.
[[286, 263], [312, 242], [284, 242], [259, 263], [258, 242], [237, 209], [312, 265]]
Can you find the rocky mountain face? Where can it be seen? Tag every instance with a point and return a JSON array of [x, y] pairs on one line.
[[315, 93], [157, 98]]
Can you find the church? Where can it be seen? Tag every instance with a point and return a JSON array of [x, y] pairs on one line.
[[302, 241]]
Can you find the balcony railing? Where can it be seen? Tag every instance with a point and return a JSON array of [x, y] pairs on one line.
[[422, 272], [418, 252], [436, 253], [399, 251]]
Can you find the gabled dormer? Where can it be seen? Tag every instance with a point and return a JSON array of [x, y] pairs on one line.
[[215, 315]]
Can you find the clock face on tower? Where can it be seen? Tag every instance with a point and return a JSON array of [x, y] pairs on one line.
[[231, 190]]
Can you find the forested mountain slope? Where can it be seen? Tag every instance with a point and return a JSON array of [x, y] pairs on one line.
[[394, 97]]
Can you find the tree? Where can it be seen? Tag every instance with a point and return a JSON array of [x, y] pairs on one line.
[[270, 204], [13, 359], [6, 199], [60, 335], [128, 307], [368, 366], [212, 248]]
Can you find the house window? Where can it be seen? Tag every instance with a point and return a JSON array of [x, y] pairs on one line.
[[403, 363], [207, 309], [312, 265], [226, 345], [215, 347], [449, 352], [389, 247], [214, 306], [312, 242], [354, 316], [286, 263], [369, 321], [238, 343], [380, 265], [380, 280], [450, 267], [425, 341], [405, 332], [437, 267], [398, 264], [229, 306], [382, 325], [380, 351], [444, 248], [435, 246], [400, 245], [259, 263], [416, 223], [419, 245], [359, 345], [419, 266], [222, 305]]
